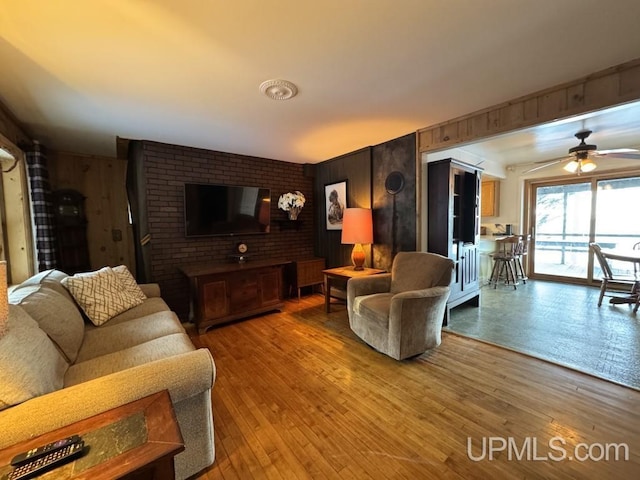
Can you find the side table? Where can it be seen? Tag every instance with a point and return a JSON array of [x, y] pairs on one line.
[[343, 273], [137, 440], [307, 272]]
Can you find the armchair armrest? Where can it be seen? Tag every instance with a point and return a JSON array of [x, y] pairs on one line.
[[367, 286], [424, 293], [414, 304], [415, 320]]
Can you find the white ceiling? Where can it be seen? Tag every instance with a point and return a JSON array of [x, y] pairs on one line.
[[79, 73]]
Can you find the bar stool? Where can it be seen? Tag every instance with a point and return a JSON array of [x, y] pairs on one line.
[[504, 261], [522, 251]]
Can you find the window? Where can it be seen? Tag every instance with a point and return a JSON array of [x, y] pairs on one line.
[[569, 214]]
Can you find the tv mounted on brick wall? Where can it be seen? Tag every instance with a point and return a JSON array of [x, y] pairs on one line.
[[225, 209]]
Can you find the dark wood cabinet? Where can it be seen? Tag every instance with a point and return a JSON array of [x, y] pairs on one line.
[[71, 231], [305, 273], [229, 291], [453, 224]]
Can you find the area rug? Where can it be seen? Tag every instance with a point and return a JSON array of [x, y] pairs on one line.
[[559, 323]]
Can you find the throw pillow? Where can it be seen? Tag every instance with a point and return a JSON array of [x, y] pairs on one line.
[[55, 313], [129, 283], [51, 279], [100, 294], [30, 364]]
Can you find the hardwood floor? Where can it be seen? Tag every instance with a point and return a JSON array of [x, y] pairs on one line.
[[298, 395]]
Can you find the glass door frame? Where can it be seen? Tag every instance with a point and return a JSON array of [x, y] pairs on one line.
[[530, 186]]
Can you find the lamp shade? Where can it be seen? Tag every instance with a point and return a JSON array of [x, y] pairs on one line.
[[357, 226]]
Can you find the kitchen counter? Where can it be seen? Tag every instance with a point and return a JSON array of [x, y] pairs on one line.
[[486, 247]]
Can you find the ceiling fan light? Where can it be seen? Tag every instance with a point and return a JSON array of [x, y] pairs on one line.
[[572, 166], [587, 166]]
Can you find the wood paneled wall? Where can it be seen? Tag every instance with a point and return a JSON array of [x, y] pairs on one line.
[[613, 86], [11, 129], [354, 167], [102, 181]]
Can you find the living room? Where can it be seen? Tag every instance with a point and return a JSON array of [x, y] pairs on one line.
[[267, 422]]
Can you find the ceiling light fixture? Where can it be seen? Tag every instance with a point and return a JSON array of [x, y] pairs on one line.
[[582, 164], [278, 89]]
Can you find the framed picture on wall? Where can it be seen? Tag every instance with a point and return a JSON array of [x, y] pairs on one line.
[[335, 200]]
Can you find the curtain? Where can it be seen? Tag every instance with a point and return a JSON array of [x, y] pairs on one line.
[[42, 205]]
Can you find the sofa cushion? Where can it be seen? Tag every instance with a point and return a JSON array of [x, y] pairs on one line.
[[56, 314], [100, 294], [112, 337], [147, 352], [51, 279], [129, 283], [148, 307], [30, 364], [374, 307]]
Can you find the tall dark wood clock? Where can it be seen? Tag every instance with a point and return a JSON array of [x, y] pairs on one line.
[[71, 231]]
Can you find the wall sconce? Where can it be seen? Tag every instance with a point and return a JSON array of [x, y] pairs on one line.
[[357, 228]]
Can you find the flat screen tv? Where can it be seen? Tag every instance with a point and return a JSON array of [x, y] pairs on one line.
[[225, 210]]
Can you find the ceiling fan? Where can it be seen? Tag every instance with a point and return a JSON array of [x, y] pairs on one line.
[[581, 157]]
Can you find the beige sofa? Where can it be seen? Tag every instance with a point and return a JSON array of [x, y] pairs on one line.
[[57, 368]]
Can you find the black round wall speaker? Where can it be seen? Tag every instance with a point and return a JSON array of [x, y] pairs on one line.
[[394, 183]]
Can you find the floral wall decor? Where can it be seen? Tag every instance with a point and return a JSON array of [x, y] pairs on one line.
[[291, 203]]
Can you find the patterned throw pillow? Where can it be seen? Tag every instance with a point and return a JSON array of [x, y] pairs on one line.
[[129, 283], [100, 294]]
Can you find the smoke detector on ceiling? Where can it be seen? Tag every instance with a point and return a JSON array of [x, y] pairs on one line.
[[279, 89]]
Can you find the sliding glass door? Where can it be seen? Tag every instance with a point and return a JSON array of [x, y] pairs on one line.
[[567, 215], [562, 226], [617, 224]]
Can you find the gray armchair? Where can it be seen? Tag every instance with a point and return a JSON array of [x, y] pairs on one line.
[[400, 313]]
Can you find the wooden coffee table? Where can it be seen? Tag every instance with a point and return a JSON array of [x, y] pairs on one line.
[[136, 440], [343, 273]]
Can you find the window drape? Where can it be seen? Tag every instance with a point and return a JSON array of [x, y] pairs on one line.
[[42, 205]]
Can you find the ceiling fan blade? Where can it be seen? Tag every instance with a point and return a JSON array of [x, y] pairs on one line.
[[545, 164], [617, 150], [553, 160], [634, 156]]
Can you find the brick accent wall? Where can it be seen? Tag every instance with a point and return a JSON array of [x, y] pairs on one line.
[[169, 167]]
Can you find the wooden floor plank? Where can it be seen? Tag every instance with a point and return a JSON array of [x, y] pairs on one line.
[[298, 395]]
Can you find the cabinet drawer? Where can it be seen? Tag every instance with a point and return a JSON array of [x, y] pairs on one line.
[[242, 280], [243, 294]]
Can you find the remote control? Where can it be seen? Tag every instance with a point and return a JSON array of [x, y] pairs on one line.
[[43, 450], [50, 460]]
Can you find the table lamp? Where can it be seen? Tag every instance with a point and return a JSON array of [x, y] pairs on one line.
[[357, 228]]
